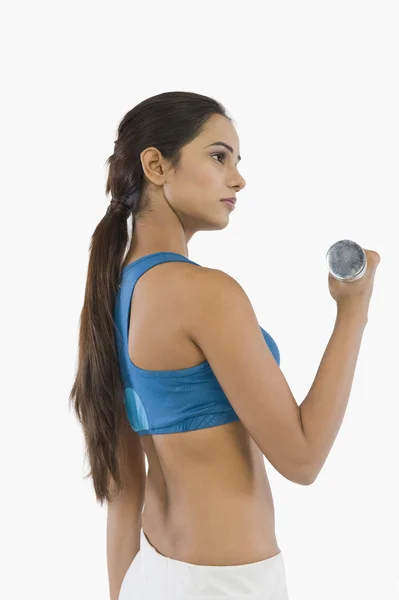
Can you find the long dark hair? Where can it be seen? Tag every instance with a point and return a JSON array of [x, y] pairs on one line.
[[168, 122]]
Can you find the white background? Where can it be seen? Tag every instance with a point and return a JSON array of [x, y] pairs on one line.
[[313, 90]]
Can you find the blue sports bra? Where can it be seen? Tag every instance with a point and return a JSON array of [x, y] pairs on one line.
[[168, 401]]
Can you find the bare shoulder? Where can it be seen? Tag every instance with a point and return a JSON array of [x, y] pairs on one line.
[[189, 281], [207, 285], [205, 279], [188, 289], [197, 285]]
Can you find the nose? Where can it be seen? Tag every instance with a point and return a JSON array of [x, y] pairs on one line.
[[238, 179], [241, 183]]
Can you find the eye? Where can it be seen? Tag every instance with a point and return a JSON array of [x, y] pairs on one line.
[[220, 154]]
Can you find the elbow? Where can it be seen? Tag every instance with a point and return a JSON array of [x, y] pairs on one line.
[[299, 476], [305, 475], [309, 469], [307, 481], [300, 472], [309, 476]]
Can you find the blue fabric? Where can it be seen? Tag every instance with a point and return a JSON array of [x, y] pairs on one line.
[[168, 401]]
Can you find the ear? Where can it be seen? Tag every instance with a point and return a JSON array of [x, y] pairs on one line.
[[154, 165]]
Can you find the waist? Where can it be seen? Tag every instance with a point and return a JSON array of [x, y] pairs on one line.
[[237, 531]]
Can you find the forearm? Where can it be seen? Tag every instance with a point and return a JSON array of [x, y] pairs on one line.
[[123, 540], [324, 407]]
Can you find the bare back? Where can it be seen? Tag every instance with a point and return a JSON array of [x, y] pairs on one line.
[[208, 499]]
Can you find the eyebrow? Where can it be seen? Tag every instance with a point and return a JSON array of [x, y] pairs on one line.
[[226, 146]]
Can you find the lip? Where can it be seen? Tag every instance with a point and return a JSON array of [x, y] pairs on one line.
[[233, 199], [230, 203]]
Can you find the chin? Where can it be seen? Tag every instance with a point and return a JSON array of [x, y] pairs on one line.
[[212, 220], [216, 225]]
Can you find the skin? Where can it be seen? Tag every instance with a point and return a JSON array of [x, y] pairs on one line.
[[207, 497], [187, 201]]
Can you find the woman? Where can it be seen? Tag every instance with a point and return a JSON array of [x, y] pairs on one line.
[[174, 365]]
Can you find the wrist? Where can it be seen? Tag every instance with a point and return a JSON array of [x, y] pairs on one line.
[[353, 311]]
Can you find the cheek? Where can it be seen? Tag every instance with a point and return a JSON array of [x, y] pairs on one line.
[[194, 185], [202, 179]]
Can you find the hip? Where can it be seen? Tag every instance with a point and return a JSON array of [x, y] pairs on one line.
[[152, 575]]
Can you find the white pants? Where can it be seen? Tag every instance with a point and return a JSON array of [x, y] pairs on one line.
[[152, 576]]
